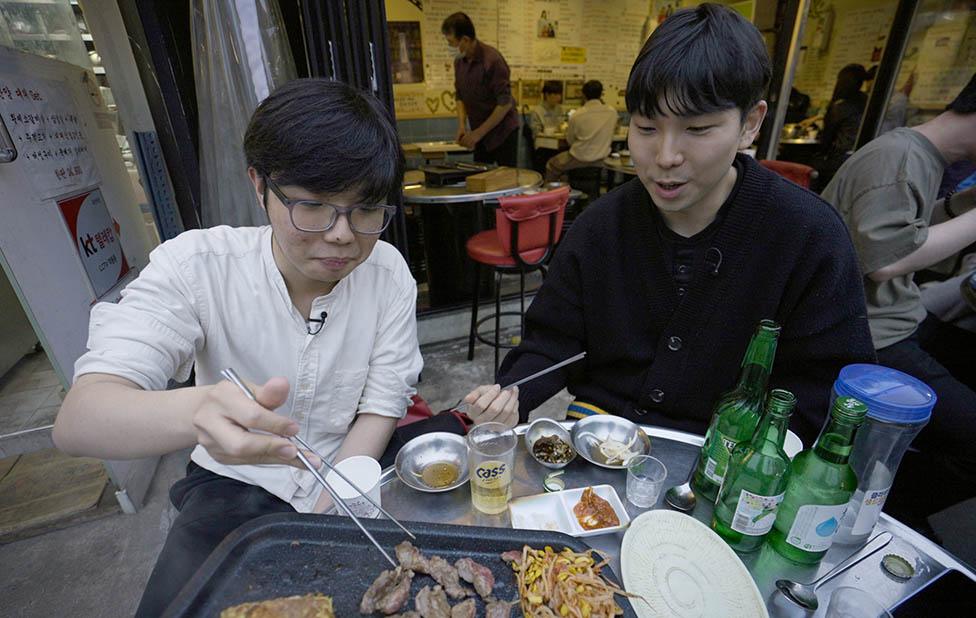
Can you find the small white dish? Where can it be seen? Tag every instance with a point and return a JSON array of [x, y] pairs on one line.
[[678, 567], [554, 511]]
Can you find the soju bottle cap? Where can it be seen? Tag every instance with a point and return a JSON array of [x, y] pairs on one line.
[[897, 566], [850, 409]]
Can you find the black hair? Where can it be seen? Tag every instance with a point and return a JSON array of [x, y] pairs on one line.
[[552, 86], [850, 79], [592, 89], [459, 25], [965, 101], [325, 137], [698, 61]]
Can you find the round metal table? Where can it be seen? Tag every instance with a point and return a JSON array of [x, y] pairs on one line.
[[422, 194], [678, 451], [624, 165]]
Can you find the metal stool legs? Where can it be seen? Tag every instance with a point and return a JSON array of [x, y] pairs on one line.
[[474, 310], [496, 342]]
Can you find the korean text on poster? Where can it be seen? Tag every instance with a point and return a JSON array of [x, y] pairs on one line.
[[49, 134], [96, 237]]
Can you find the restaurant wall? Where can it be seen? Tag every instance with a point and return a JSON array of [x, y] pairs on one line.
[[569, 40], [577, 40], [840, 32]]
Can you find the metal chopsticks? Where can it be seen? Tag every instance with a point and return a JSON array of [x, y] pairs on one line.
[[232, 376], [569, 361]]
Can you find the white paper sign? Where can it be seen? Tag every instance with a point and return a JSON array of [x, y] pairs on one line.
[[50, 136]]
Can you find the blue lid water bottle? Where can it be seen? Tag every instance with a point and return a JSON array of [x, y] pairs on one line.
[[898, 407]]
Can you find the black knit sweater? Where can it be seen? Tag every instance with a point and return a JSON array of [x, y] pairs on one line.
[[659, 358]]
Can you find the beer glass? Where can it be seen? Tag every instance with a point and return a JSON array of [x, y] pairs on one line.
[[491, 459]]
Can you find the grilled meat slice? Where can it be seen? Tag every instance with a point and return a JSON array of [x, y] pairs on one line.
[[411, 558], [388, 593], [498, 609], [477, 574], [447, 576], [464, 609], [432, 603]]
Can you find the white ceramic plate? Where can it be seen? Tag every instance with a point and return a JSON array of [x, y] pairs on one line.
[[555, 511], [681, 568]]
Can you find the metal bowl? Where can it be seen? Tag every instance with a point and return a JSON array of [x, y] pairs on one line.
[[542, 427], [591, 431], [432, 448]]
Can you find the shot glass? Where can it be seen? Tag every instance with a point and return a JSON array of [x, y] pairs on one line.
[[491, 457], [849, 602], [645, 478], [365, 474]]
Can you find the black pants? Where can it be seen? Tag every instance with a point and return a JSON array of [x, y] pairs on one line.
[[212, 506], [505, 153], [541, 156], [940, 470]]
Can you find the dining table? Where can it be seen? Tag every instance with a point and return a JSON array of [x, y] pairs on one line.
[[447, 217], [416, 191], [679, 450], [556, 140]]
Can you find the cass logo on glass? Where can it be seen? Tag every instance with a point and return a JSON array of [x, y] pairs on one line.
[[490, 473]]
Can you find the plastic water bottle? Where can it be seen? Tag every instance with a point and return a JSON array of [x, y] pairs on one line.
[[898, 407]]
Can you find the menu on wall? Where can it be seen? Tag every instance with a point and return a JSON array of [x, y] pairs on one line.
[[859, 36], [946, 59], [540, 39], [50, 137]]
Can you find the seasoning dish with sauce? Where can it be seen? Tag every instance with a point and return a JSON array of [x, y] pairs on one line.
[[549, 443], [433, 462], [556, 511]]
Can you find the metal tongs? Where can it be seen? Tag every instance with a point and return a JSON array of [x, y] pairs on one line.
[[231, 375]]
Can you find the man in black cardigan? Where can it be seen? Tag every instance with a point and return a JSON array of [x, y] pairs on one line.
[[664, 280]]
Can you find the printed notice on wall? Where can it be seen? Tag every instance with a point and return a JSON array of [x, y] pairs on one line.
[[96, 236], [48, 133]]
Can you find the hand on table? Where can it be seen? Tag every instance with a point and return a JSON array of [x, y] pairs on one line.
[[227, 422], [459, 135], [490, 403], [469, 140]]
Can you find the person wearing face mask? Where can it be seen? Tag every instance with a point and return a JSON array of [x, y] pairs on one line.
[[663, 281], [314, 310], [487, 118]]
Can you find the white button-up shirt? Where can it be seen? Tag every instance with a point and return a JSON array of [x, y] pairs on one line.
[[215, 298], [590, 131]]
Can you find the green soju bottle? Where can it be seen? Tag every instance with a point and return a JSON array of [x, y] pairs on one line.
[[756, 479], [821, 484], [737, 411]]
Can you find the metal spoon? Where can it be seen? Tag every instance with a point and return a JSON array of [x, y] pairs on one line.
[[682, 497], [805, 595]]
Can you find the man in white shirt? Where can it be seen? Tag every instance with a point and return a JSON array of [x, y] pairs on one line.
[[314, 310], [590, 134]]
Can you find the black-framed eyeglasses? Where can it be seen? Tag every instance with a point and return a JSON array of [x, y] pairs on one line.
[[312, 216]]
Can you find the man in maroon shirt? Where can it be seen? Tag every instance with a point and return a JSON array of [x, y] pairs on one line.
[[484, 95]]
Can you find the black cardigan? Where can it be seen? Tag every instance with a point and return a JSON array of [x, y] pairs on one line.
[[656, 357]]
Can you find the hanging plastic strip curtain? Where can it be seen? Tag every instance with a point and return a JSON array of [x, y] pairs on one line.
[[240, 54]]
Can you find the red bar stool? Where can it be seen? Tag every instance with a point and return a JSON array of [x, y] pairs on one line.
[[527, 228], [801, 174]]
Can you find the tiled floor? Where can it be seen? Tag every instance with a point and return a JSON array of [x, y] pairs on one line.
[[30, 395]]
